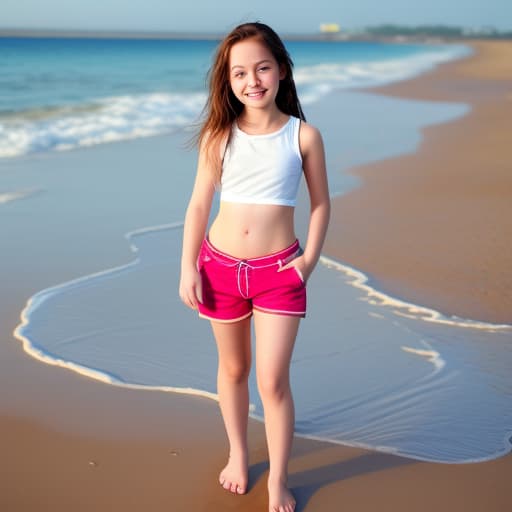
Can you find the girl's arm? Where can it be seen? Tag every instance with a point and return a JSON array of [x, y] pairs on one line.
[[313, 163], [194, 230]]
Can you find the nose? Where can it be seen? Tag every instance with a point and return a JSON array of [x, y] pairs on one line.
[[253, 79]]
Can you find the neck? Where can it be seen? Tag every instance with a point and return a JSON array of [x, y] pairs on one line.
[[261, 119]]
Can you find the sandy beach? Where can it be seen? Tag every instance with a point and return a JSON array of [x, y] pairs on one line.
[[432, 227]]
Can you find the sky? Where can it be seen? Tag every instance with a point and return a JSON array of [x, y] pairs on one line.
[[288, 16]]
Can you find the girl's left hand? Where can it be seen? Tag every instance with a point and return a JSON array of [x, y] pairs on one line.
[[301, 266]]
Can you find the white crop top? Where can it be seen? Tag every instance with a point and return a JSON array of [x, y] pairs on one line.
[[263, 169]]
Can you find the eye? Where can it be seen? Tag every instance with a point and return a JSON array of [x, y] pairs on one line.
[[239, 74], [264, 68]]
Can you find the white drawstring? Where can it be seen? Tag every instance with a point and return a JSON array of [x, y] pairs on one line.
[[243, 266]]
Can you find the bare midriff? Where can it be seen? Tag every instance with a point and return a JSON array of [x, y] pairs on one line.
[[252, 230]]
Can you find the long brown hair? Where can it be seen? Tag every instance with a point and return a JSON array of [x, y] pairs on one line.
[[222, 106]]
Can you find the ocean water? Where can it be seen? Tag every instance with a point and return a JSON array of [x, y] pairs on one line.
[[60, 94], [368, 369]]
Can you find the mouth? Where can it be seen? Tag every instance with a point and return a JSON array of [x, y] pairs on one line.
[[255, 94]]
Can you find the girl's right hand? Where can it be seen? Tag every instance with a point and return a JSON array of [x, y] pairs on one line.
[[191, 290]]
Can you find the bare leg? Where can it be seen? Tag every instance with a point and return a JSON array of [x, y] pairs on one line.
[[275, 338], [234, 348]]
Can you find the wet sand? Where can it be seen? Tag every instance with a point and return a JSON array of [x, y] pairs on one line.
[[47, 469], [435, 227], [70, 443]]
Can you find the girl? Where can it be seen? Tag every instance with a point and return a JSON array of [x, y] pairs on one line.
[[254, 145]]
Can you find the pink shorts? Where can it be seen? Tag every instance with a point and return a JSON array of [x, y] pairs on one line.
[[232, 287]]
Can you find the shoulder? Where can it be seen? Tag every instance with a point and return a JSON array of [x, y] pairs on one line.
[[212, 146], [207, 137], [310, 138]]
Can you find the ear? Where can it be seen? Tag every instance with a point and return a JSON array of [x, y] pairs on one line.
[[282, 72]]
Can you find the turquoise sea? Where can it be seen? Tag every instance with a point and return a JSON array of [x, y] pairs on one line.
[[59, 94]]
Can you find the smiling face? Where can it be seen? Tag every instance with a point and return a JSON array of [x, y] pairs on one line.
[[254, 74]]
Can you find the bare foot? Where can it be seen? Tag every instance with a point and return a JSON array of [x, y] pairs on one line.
[[280, 499], [234, 476]]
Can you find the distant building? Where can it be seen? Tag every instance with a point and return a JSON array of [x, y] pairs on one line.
[[330, 28], [479, 31]]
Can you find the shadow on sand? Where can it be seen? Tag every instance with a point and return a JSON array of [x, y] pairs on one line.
[[305, 484]]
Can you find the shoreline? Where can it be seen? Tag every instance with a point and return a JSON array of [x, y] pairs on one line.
[[71, 442], [139, 380], [439, 236]]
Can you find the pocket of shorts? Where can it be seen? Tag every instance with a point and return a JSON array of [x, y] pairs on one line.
[[299, 274], [203, 257], [294, 271]]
